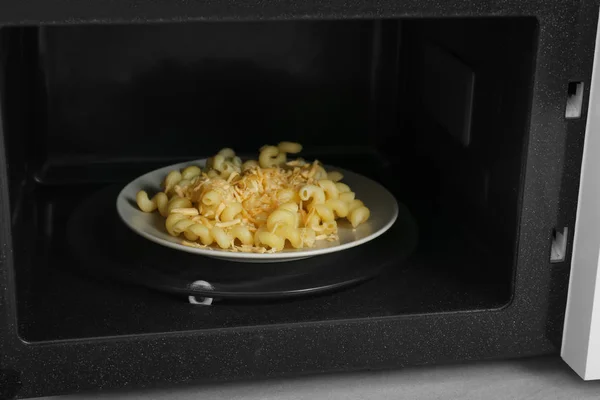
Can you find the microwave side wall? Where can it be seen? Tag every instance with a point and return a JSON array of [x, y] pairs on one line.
[[529, 325]]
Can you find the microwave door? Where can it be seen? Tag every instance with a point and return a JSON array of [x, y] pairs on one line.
[[581, 335]]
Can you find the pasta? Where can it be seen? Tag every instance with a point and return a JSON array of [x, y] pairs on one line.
[[259, 205]]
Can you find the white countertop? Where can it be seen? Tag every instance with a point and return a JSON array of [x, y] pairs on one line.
[[543, 378]]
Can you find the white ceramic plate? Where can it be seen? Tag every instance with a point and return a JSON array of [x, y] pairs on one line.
[[383, 206]]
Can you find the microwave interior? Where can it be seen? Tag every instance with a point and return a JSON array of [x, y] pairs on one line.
[[435, 110]]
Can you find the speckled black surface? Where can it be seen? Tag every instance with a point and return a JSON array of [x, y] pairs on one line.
[[529, 325]]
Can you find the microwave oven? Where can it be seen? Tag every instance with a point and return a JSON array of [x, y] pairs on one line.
[[478, 117]]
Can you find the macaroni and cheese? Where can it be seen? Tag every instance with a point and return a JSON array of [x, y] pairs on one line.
[[259, 205]]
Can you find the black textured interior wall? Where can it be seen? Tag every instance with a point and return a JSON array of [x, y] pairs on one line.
[[480, 183], [189, 89], [23, 108]]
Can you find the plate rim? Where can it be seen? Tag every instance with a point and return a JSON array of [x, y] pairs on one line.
[[225, 254]]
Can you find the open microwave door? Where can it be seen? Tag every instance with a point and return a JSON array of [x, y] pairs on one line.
[[581, 336]]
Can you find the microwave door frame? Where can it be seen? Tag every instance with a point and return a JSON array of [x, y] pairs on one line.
[[581, 335]]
